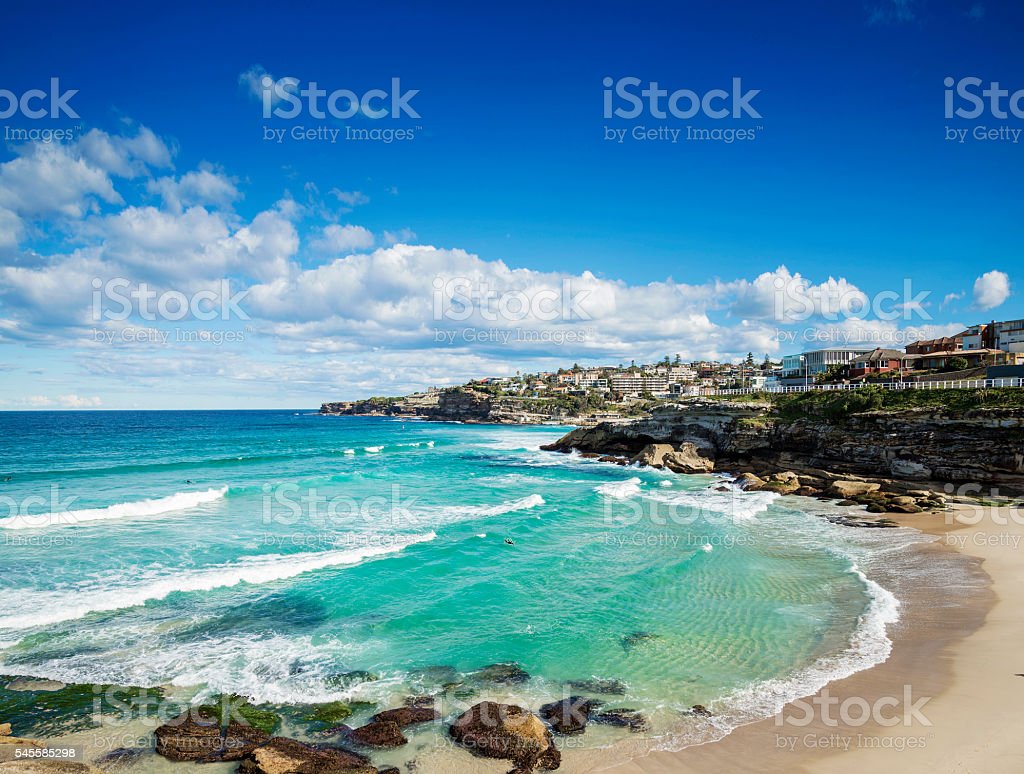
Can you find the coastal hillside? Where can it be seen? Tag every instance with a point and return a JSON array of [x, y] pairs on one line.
[[928, 438], [466, 404]]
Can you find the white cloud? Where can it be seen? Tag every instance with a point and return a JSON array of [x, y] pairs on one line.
[[75, 401], [350, 198], [204, 186], [50, 179], [783, 297], [71, 179], [951, 298], [402, 235], [335, 239], [991, 289], [125, 156]]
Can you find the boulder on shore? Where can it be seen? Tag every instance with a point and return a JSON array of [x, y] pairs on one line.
[[848, 489], [784, 483], [493, 730]]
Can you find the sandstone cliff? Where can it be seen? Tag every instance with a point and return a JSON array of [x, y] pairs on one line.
[[931, 446]]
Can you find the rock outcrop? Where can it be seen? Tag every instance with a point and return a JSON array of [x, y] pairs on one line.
[[506, 731], [684, 459], [927, 446], [193, 736]]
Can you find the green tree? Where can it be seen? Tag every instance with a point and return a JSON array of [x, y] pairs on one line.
[[956, 364]]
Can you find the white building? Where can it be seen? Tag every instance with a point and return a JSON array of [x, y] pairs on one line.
[[635, 384], [816, 361]]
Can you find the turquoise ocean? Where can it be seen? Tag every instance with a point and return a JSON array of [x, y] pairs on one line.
[[293, 557]]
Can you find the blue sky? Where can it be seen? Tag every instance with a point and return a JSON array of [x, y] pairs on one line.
[[168, 181]]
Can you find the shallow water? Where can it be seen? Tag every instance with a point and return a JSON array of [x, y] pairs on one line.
[[269, 553]]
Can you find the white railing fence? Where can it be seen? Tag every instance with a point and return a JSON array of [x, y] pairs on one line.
[[963, 384]]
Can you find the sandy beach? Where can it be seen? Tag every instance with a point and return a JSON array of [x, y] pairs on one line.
[[957, 648]]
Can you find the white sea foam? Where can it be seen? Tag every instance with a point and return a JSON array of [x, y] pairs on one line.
[[373, 449], [349, 451], [620, 490], [738, 505], [453, 514], [49, 607], [176, 502]]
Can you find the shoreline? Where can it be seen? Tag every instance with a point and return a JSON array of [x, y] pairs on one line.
[[961, 656]]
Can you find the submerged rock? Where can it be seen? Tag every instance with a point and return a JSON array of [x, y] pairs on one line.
[[611, 687], [493, 730], [633, 639], [121, 758], [33, 684], [379, 733], [407, 716], [350, 679], [506, 673], [625, 718], [330, 713], [568, 716], [47, 767]]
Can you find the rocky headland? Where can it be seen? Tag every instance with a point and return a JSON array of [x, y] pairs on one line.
[[884, 456], [462, 404]]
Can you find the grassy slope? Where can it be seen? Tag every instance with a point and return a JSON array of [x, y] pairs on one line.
[[840, 404]]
